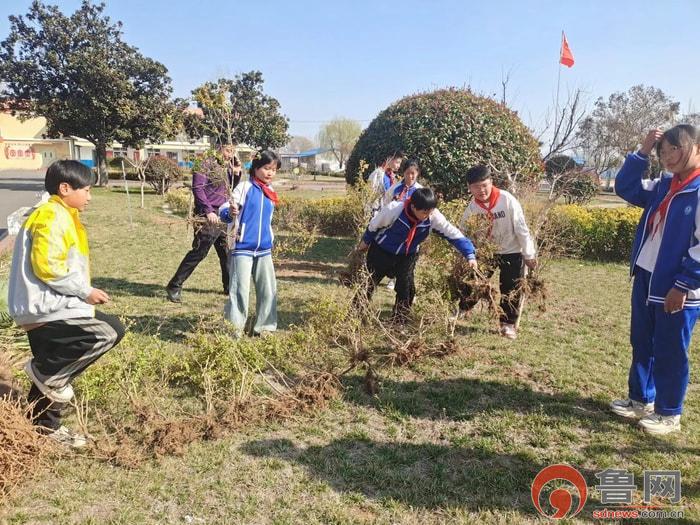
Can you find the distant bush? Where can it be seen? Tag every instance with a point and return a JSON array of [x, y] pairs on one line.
[[594, 233], [332, 216], [179, 199], [161, 173]]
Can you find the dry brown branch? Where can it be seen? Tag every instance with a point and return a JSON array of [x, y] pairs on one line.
[[23, 451]]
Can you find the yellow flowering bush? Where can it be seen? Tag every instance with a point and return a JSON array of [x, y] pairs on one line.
[[593, 233]]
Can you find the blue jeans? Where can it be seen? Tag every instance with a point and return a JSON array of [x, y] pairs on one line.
[[261, 269]]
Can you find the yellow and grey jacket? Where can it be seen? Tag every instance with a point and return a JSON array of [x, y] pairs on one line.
[[50, 276]]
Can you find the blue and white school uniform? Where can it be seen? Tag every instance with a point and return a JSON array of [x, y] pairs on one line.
[[665, 255], [251, 255], [400, 192]]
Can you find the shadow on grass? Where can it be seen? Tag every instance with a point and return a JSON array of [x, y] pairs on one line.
[[465, 399], [10, 392], [416, 474], [124, 287]]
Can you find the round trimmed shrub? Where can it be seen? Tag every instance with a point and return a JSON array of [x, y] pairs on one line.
[[450, 130], [161, 173]]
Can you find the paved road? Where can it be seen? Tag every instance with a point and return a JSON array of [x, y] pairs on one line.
[[18, 188]]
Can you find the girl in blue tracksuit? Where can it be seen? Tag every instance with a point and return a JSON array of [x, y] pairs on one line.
[[666, 269], [250, 210], [400, 191], [392, 240]]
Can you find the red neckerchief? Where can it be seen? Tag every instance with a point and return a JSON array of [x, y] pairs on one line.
[[490, 205], [676, 186], [404, 191], [414, 223], [390, 174], [269, 192]]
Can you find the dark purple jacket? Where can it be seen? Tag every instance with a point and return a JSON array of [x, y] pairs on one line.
[[208, 196]]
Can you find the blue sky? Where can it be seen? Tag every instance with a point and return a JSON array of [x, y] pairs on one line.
[[322, 59]]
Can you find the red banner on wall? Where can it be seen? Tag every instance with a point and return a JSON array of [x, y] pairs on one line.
[[19, 151]]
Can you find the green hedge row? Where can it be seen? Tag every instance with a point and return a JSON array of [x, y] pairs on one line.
[[333, 216], [604, 234]]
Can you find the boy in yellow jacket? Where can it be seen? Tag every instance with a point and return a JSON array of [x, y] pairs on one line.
[[51, 298]]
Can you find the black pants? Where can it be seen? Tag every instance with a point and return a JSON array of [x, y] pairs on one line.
[[204, 237], [62, 350], [380, 264], [510, 266]]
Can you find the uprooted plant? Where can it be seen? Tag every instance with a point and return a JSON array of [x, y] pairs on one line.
[[23, 451]]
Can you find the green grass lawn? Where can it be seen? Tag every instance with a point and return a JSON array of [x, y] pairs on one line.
[[456, 439]]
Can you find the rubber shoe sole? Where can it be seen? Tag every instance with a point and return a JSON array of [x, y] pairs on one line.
[[659, 425], [59, 395], [631, 409]]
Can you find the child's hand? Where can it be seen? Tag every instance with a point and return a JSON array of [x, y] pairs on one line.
[[473, 264], [233, 209], [674, 301], [212, 218], [97, 296], [363, 246], [531, 263], [650, 141]]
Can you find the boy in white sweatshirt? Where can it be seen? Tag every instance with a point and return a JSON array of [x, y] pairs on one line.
[[509, 232]]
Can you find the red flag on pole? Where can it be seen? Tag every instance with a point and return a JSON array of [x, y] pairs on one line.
[[566, 57]]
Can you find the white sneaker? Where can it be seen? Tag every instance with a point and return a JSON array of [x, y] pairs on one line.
[[508, 331], [631, 409], [390, 284], [66, 437], [659, 425], [58, 395]]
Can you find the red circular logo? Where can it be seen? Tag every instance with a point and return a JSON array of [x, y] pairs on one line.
[[560, 499]]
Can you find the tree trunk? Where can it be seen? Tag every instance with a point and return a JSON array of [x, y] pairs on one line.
[[142, 179], [101, 161]]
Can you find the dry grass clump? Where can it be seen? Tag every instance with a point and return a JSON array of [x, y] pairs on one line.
[[311, 392], [23, 451], [352, 274]]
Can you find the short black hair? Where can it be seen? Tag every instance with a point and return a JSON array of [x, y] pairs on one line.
[[409, 163], [478, 173], [264, 158], [424, 199], [75, 173]]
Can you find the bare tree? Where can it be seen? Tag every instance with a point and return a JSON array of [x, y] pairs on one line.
[[140, 167], [617, 124], [567, 120], [691, 118], [340, 135], [298, 144], [505, 80]]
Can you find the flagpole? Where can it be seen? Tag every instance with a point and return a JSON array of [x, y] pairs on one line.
[[556, 105]]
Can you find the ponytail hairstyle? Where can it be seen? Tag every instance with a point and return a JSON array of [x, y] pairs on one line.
[[263, 158]]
